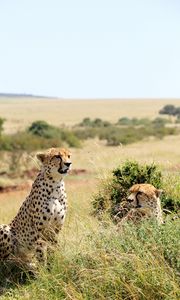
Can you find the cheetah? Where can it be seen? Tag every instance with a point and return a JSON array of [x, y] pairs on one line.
[[144, 200], [43, 212]]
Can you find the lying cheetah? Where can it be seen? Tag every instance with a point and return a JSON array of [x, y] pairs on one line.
[[144, 202], [42, 214]]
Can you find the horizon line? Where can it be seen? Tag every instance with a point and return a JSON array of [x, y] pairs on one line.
[[30, 95]]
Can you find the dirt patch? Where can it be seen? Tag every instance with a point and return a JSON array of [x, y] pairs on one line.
[[78, 172], [17, 187], [29, 176], [174, 168], [32, 173]]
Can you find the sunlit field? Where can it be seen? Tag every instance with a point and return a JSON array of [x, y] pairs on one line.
[[20, 113], [93, 259]]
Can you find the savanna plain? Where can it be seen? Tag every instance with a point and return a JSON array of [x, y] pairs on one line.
[[94, 260]]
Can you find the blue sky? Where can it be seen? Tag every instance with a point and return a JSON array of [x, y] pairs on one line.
[[90, 48]]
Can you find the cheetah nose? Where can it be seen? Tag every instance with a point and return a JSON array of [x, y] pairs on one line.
[[138, 206], [68, 164], [129, 199]]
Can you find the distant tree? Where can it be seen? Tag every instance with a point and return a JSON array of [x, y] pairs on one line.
[[168, 109], [1, 125]]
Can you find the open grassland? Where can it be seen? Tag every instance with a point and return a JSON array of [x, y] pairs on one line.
[[96, 157], [94, 260], [20, 113]]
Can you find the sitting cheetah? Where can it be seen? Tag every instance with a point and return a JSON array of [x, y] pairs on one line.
[[42, 214], [144, 202]]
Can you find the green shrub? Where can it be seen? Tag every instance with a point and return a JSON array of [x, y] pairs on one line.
[[112, 197], [40, 135], [100, 123], [87, 122], [117, 135], [134, 130], [178, 119], [27, 142], [43, 129], [70, 138], [124, 121], [84, 134], [1, 125], [142, 122], [159, 122]]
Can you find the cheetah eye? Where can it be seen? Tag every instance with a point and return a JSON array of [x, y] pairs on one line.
[[57, 156], [69, 156], [140, 193]]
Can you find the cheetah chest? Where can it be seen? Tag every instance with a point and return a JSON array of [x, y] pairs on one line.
[[57, 210], [56, 206]]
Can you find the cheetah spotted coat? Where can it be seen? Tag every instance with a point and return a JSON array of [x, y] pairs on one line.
[[42, 214]]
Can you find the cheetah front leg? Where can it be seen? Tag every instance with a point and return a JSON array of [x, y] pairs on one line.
[[41, 251], [6, 245]]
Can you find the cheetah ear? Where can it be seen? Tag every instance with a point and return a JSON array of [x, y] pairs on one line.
[[158, 192], [41, 157]]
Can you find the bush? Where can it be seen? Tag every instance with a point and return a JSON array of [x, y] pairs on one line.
[[111, 199], [24, 141], [124, 121], [87, 122], [86, 134], [135, 130], [40, 135], [116, 136], [159, 122], [178, 119], [140, 122], [27, 142], [43, 129], [1, 125], [70, 138]]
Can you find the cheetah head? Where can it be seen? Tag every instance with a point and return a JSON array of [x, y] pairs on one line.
[[144, 196], [56, 161]]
